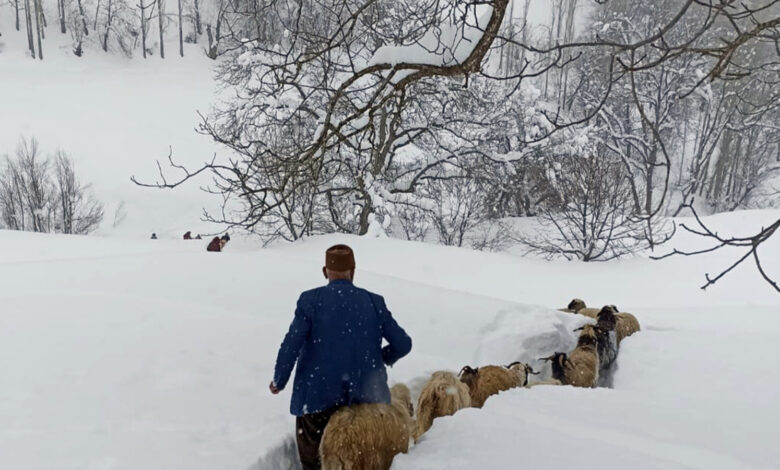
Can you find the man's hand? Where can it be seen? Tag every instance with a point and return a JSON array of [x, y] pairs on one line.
[[273, 388]]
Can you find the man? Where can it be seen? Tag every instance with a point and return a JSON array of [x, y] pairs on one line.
[[336, 340]]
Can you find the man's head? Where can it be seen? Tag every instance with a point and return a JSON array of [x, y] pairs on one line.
[[339, 263]]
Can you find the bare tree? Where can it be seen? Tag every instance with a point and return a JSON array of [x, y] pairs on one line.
[[79, 212], [42, 194], [593, 217], [333, 93]]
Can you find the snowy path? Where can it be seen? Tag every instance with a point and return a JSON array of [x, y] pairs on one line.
[[699, 396]]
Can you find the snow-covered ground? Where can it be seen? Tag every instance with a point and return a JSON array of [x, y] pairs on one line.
[[119, 354]]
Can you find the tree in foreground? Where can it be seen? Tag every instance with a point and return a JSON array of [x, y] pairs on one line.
[[347, 111]]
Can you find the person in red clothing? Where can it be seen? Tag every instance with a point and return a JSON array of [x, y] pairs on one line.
[[214, 245], [217, 243], [188, 236]]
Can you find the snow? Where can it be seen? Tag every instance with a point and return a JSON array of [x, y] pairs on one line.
[[451, 44], [142, 354], [115, 117]]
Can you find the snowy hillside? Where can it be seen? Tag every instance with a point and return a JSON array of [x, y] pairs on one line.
[[157, 355], [115, 117]]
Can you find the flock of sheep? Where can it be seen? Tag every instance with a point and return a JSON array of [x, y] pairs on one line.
[[368, 436]]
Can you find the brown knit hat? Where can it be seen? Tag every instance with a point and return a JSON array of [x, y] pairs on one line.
[[340, 258]]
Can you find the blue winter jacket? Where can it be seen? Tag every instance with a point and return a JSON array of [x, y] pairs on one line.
[[336, 339]]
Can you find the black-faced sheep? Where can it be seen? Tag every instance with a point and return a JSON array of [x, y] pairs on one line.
[[442, 395], [579, 368], [606, 336], [368, 436], [490, 380], [578, 306]]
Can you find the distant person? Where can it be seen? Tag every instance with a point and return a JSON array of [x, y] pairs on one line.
[[335, 345], [154, 236], [214, 245], [198, 237], [217, 243], [188, 236]]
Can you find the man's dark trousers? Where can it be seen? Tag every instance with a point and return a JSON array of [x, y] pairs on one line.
[[308, 432]]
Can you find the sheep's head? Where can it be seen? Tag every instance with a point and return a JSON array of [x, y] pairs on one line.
[[606, 318], [400, 394], [576, 305], [468, 375], [524, 369], [559, 362], [588, 336]]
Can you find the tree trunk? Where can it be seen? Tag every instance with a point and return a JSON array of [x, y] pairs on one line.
[[160, 21], [39, 26], [28, 22], [181, 33], [61, 3], [108, 26], [198, 27], [16, 8], [97, 10], [143, 27], [83, 18]]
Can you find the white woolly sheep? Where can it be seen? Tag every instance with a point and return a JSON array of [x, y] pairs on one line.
[[368, 436], [490, 380], [442, 395]]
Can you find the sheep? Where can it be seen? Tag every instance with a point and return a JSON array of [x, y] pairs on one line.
[[368, 436], [579, 368], [490, 380], [627, 324], [442, 395], [559, 362], [578, 306], [606, 336]]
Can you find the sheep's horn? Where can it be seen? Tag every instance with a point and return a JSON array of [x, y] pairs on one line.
[[579, 329], [532, 371], [549, 358]]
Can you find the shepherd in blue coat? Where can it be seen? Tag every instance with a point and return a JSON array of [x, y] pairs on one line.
[[336, 340]]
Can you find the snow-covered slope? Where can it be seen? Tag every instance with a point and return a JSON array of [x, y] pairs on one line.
[[119, 354], [115, 117]]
